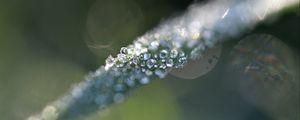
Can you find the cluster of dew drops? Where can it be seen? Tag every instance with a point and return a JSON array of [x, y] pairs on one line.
[[151, 56], [139, 63]]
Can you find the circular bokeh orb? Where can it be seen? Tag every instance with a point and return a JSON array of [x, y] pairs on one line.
[[112, 24], [197, 68], [266, 73]]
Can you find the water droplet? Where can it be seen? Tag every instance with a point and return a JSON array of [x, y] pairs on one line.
[[165, 43], [119, 88], [169, 63], [122, 58], [150, 63], [124, 50], [135, 60], [77, 92], [163, 66], [155, 56], [130, 51], [181, 54], [163, 54], [143, 70], [146, 56], [109, 62], [160, 73], [144, 80], [197, 52], [137, 45], [153, 45], [181, 62], [173, 53], [130, 82], [148, 72], [101, 100], [108, 82], [143, 64], [118, 98]]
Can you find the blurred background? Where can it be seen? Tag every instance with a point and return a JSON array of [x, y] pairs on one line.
[[46, 46]]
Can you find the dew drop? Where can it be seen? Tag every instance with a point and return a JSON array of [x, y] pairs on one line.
[[100, 100], [155, 56], [148, 72], [118, 98], [165, 43], [160, 73], [143, 64], [163, 66], [144, 80], [122, 58], [163, 54], [153, 45], [146, 56], [169, 63], [124, 50], [130, 82], [109, 62], [119, 87], [77, 92], [181, 54], [173, 53], [135, 60], [182, 61], [150, 63]]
